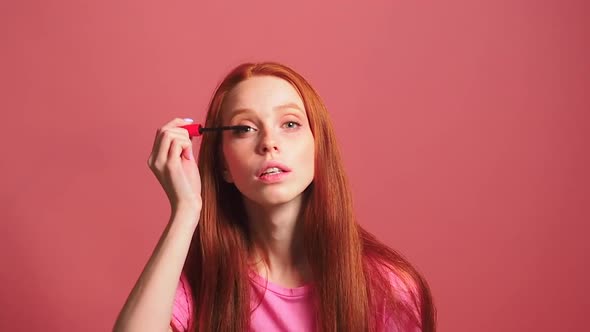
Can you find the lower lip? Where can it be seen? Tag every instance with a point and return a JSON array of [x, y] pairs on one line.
[[273, 178]]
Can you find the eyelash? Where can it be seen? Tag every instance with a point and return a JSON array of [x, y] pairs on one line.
[[242, 131]]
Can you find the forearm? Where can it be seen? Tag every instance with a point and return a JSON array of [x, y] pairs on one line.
[[149, 306]]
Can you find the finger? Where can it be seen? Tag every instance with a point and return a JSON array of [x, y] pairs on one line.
[[178, 137], [164, 140], [178, 149], [180, 131], [167, 137], [177, 122], [173, 124], [156, 145], [187, 152]]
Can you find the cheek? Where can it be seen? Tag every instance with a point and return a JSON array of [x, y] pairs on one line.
[[308, 153], [311, 158], [234, 159], [229, 157], [230, 162]]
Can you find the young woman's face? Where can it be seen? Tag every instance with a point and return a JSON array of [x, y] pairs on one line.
[[273, 162]]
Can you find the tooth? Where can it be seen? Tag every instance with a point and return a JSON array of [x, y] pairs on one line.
[[272, 170]]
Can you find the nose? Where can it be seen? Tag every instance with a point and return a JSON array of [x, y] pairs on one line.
[[268, 143]]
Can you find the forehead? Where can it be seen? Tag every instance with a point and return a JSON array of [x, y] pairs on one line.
[[261, 92]]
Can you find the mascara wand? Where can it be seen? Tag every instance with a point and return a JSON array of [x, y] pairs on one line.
[[198, 130]]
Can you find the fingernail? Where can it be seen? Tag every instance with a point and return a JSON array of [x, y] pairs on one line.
[[188, 120]]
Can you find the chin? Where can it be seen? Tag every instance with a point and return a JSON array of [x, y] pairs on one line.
[[269, 198]]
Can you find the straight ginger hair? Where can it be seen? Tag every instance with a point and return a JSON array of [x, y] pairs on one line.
[[351, 270]]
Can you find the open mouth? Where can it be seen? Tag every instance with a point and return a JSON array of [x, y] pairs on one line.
[[271, 170]]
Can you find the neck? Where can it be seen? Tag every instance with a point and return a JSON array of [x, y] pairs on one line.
[[277, 235]]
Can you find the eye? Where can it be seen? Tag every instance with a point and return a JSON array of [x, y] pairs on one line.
[[292, 124], [241, 130]]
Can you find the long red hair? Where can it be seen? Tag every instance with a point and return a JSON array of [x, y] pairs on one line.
[[351, 270]]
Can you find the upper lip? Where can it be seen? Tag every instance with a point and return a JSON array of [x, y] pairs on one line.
[[272, 163]]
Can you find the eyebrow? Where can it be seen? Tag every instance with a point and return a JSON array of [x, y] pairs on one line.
[[288, 105], [279, 107]]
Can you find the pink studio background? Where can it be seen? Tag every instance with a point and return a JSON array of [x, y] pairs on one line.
[[464, 127]]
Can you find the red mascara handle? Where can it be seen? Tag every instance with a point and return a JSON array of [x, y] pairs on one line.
[[193, 129]]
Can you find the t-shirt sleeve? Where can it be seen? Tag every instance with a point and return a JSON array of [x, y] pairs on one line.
[[182, 308], [401, 320]]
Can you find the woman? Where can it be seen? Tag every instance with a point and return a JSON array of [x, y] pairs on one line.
[[265, 239]]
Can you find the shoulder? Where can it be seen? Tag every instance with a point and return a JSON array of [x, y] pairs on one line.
[[404, 286], [397, 297]]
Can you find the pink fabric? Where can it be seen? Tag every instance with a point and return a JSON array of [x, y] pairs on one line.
[[281, 309], [398, 323], [182, 306]]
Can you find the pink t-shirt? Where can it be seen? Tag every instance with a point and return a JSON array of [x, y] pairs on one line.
[[281, 309]]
